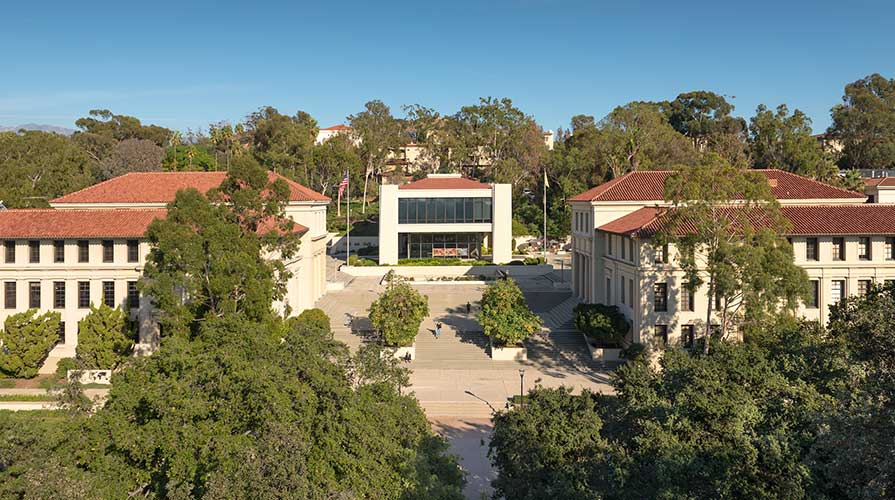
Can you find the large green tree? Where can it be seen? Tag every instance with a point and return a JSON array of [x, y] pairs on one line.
[[864, 123], [783, 140], [636, 136], [704, 117], [505, 315], [101, 130], [27, 339], [105, 338], [398, 311], [378, 133], [727, 228], [131, 155], [221, 253], [36, 167], [280, 142]]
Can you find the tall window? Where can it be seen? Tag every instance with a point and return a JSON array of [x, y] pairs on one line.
[[688, 336], [660, 297], [59, 295], [60, 331], [9, 294], [661, 254], [608, 290], [58, 251], [83, 294], [624, 248], [34, 295], [660, 334], [34, 251], [890, 248], [864, 248], [109, 293], [687, 297], [631, 292], [814, 298], [108, 250], [444, 210], [621, 290], [609, 241], [83, 251], [838, 248], [837, 291], [9, 247], [133, 295], [133, 250], [863, 287], [811, 249], [631, 248]]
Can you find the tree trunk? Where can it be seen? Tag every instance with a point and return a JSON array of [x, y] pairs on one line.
[[708, 315], [366, 181]]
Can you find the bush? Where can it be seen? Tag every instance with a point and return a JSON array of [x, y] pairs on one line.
[[314, 319], [606, 325], [354, 260], [64, 365], [505, 316], [399, 311], [27, 339], [437, 261], [533, 261], [104, 338]]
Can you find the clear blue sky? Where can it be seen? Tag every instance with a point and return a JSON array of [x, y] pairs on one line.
[[186, 64]]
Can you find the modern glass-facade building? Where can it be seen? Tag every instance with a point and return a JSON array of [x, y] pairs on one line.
[[445, 216]]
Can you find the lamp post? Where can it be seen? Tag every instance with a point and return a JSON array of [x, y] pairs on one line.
[[521, 387]]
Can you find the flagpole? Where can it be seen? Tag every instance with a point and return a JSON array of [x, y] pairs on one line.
[[348, 219], [545, 215]]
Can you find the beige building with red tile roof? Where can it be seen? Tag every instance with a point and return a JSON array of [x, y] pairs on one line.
[[842, 242], [90, 248], [445, 216]]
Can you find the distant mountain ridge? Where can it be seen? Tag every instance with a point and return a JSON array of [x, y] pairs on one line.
[[37, 126]]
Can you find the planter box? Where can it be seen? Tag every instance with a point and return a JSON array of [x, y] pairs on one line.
[[602, 353], [402, 352], [507, 353], [91, 376]]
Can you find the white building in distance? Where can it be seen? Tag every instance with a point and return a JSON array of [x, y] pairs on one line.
[[90, 248], [445, 216], [843, 243]]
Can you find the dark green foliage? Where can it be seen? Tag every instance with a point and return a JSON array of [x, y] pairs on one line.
[[105, 338], [64, 365], [604, 324], [505, 315], [864, 123], [36, 167], [213, 253], [782, 140], [539, 448], [355, 260], [398, 311], [189, 158], [796, 411], [27, 339], [247, 409]]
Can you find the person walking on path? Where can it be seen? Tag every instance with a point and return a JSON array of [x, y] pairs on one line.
[[438, 330], [468, 307]]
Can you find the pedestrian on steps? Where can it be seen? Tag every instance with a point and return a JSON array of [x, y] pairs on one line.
[[438, 330]]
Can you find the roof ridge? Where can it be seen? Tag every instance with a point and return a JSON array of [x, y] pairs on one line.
[[810, 179]]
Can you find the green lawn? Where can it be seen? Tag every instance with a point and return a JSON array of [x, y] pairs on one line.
[[27, 397]]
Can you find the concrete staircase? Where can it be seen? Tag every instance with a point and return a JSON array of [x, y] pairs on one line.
[[461, 409], [561, 317], [454, 348]]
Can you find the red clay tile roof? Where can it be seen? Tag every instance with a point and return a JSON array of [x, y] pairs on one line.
[[445, 183], [337, 127], [160, 187], [880, 181], [85, 223], [649, 185], [805, 220], [75, 223]]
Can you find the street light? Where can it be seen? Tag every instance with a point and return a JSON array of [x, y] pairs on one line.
[[521, 387]]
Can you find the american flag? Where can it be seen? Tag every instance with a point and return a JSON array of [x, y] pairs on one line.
[[343, 185]]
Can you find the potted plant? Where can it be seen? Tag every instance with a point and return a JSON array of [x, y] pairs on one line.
[[604, 328], [397, 315], [507, 320]]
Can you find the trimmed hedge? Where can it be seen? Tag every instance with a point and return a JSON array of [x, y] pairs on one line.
[[606, 325]]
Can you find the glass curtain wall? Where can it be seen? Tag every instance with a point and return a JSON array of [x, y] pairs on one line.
[[444, 210], [440, 245]]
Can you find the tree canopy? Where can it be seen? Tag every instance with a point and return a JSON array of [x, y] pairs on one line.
[[864, 123]]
